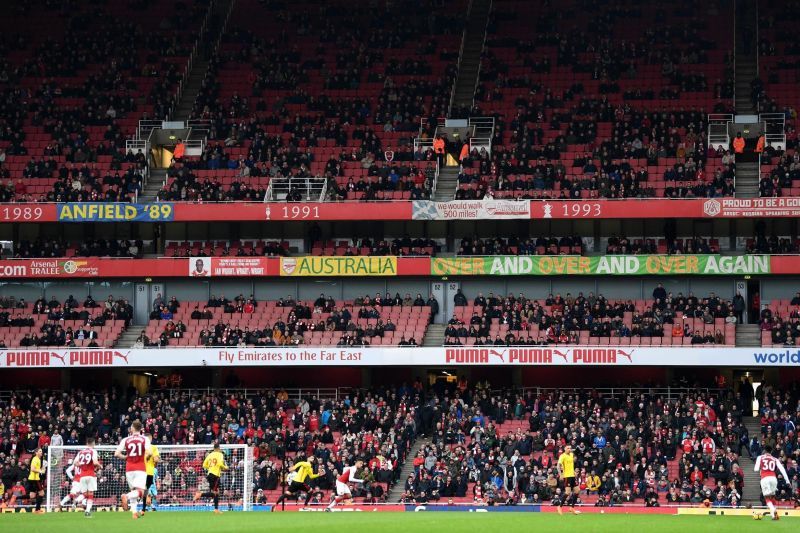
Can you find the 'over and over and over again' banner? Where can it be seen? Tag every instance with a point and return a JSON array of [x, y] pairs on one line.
[[623, 265], [392, 266], [61, 358], [93, 212]]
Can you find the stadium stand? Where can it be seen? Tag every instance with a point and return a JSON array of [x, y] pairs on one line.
[[72, 94], [484, 446], [610, 109], [71, 323], [674, 320], [296, 114], [341, 121], [379, 320]]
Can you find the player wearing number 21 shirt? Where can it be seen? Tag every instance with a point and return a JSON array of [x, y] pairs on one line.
[[769, 466], [134, 449]]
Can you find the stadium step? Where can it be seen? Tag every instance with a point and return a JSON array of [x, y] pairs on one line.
[[446, 184], [748, 335], [408, 468], [210, 38], [192, 88], [747, 180], [746, 68], [752, 483], [434, 335], [472, 47], [154, 183], [127, 338]]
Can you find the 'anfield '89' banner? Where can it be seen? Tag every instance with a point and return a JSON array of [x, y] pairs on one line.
[[624, 265], [114, 212]]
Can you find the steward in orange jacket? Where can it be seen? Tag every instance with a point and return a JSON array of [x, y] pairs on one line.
[[760, 144], [738, 144]]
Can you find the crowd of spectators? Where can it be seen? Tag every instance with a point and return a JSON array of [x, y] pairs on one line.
[[399, 246], [378, 426], [780, 174], [301, 102], [785, 330], [625, 246], [49, 248], [358, 324], [506, 174], [564, 319], [519, 246], [490, 447], [629, 449], [48, 318], [72, 98], [594, 133], [184, 185], [379, 181]]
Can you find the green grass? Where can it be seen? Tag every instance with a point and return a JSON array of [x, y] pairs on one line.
[[383, 522]]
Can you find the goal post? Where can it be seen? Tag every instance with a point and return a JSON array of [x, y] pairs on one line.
[[180, 475]]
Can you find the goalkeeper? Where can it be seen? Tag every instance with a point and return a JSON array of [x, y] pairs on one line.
[[152, 491]]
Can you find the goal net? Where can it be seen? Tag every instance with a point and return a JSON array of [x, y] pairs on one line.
[[179, 475]]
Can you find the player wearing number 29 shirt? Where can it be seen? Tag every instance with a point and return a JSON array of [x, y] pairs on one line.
[[768, 466], [134, 449]]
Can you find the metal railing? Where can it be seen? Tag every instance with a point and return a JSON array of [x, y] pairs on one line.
[[312, 189], [483, 132], [774, 130], [294, 394], [666, 393], [435, 179], [200, 124], [146, 127], [718, 134]]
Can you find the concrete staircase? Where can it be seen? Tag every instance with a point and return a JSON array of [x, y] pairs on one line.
[[746, 72], [128, 337], [748, 335], [183, 111], [747, 173], [752, 480], [747, 176], [746, 61], [470, 64], [434, 336], [153, 185], [408, 468], [446, 184]]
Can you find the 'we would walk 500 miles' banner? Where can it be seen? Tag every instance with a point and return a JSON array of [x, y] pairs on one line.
[[623, 265]]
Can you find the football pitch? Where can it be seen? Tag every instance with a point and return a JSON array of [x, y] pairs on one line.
[[382, 522]]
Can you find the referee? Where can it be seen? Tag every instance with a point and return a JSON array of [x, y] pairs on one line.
[[566, 470], [214, 464]]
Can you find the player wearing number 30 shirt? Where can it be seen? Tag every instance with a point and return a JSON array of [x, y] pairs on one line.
[[343, 481], [134, 449], [768, 466]]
